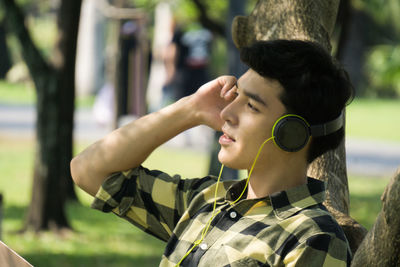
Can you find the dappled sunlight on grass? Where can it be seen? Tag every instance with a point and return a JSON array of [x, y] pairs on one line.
[[16, 165], [18, 93], [97, 239], [374, 119], [365, 194], [24, 94]]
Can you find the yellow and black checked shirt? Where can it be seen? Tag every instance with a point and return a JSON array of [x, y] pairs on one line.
[[289, 228]]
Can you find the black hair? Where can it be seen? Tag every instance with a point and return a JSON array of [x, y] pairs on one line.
[[315, 86]]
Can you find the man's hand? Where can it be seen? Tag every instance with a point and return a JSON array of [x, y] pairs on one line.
[[113, 153], [211, 98]]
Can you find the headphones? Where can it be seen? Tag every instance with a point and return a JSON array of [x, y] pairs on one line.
[[291, 132]]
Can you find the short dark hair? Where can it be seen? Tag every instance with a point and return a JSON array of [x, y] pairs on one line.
[[315, 86]]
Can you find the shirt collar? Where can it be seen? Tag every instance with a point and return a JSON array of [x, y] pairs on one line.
[[288, 202]]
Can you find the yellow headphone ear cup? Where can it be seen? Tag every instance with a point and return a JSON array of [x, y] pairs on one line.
[[291, 132]]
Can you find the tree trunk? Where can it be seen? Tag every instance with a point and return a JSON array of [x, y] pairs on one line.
[[55, 104], [68, 25], [46, 210], [312, 20]]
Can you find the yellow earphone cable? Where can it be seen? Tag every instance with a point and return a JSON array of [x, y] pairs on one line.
[[213, 214], [251, 169], [207, 226]]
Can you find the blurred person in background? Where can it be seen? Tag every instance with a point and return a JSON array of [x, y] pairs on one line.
[[186, 61]]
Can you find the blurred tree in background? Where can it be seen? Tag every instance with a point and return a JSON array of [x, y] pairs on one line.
[[54, 79], [5, 61]]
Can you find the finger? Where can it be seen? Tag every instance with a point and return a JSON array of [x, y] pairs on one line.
[[230, 95], [228, 83]]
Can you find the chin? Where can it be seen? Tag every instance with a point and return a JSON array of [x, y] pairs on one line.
[[224, 158], [229, 160]]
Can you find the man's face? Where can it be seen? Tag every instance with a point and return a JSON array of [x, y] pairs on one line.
[[249, 119]]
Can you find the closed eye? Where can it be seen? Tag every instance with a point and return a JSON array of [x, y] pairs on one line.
[[252, 107]]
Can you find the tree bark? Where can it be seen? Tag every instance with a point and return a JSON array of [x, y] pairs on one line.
[[381, 246], [68, 26], [54, 85], [294, 19], [311, 20]]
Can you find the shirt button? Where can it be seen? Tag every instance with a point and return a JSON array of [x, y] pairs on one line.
[[203, 246], [233, 214]]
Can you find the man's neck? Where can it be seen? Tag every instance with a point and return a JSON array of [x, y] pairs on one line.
[[266, 182]]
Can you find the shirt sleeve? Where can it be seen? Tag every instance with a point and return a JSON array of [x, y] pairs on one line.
[[152, 200], [320, 250]]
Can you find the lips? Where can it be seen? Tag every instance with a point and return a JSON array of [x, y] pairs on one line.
[[225, 139]]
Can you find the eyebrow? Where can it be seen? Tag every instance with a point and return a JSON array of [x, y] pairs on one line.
[[255, 97]]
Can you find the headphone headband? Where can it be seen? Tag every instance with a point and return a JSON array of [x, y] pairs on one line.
[[328, 127], [291, 132]]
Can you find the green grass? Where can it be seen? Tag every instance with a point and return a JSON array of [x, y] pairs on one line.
[[365, 202], [17, 93], [97, 240], [24, 94], [374, 119], [103, 239]]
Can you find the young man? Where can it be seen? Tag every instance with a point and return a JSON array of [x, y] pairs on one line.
[[278, 218]]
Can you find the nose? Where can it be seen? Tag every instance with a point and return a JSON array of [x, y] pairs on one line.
[[229, 113]]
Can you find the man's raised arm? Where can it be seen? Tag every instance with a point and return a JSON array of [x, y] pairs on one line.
[[128, 146]]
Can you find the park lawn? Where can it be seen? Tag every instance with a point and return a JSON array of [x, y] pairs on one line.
[[374, 119], [365, 198], [24, 94], [103, 239], [17, 93]]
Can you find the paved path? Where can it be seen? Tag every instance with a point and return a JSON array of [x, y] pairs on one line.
[[372, 157], [364, 157]]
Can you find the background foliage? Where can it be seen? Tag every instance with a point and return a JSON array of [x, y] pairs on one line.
[[382, 64], [381, 71]]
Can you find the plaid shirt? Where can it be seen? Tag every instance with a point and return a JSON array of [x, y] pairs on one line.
[[290, 228]]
